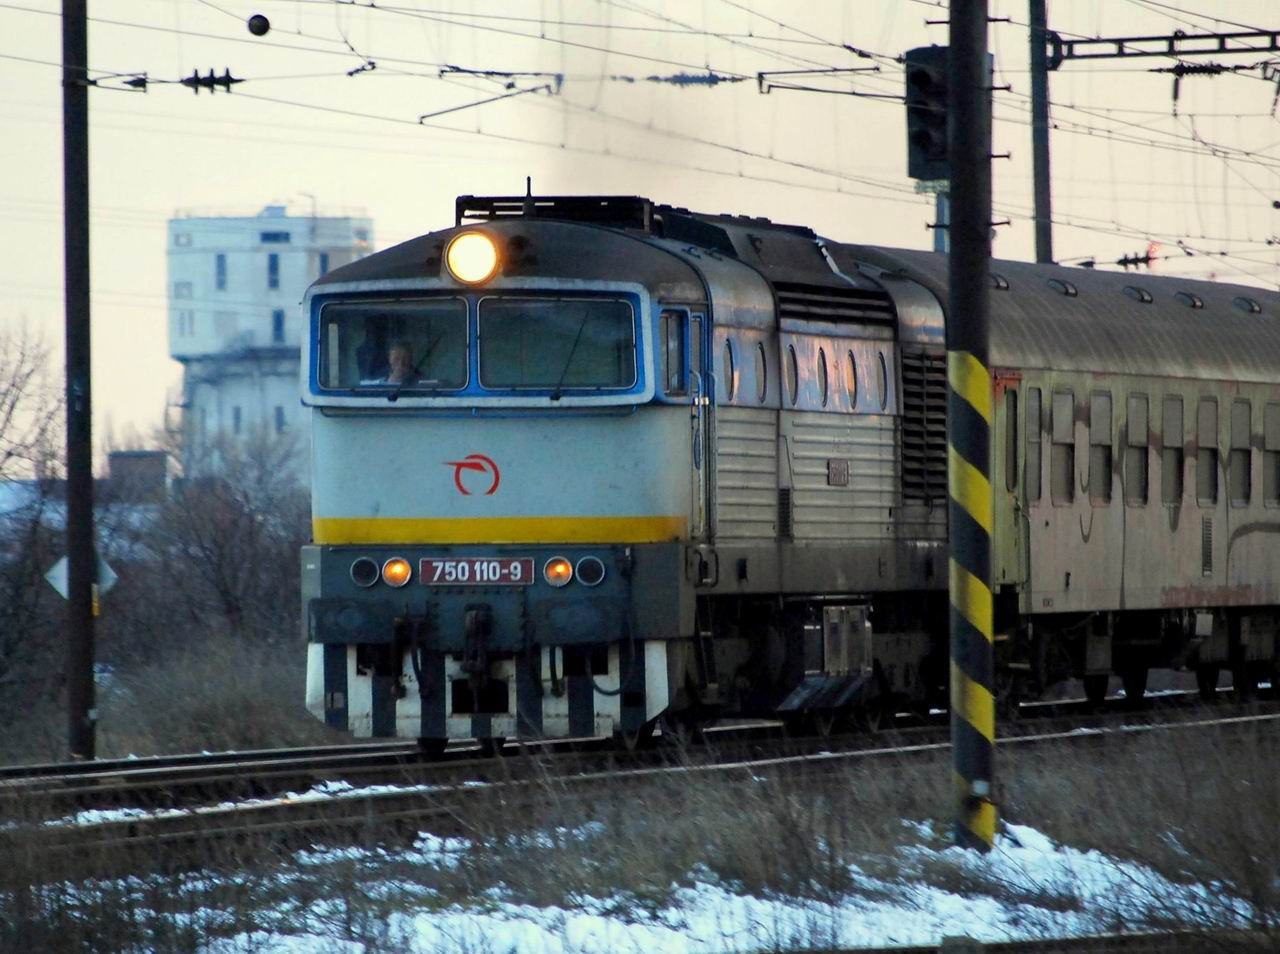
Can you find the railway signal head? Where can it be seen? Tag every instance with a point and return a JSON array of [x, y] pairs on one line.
[[926, 98]]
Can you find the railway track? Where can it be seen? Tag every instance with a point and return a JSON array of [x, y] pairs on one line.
[[112, 844], [177, 781]]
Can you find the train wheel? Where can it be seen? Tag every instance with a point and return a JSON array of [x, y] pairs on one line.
[[1135, 684], [1207, 681], [869, 718], [636, 739], [491, 748], [1095, 687], [432, 748]]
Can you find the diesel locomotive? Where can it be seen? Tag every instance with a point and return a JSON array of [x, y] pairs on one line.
[[581, 463]]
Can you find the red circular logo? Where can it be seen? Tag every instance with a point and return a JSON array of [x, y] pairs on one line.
[[477, 463]]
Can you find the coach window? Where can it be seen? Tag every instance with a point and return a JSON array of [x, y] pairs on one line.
[[1062, 458], [1135, 451], [1271, 456], [793, 375], [882, 380], [1171, 435], [1033, 444], [1100, 447], [1207, 452], [762, 372], [1011, 439], [851, 381], [822, 377], [1239, 480], [675, 371], [426, 340], [730, 371]]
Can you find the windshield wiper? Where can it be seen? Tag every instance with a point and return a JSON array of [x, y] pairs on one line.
[[413, 374], [555, 393]]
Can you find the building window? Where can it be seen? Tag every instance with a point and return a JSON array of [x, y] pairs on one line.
[[1207, 453], [1171, 453], [324, 263], [220, 272], [273, 270], [362, 235], [1239, 464], [281, 424], [1033, 444], [1100, 447], [1062, 457], [277, 326], [181, 289], [275, 238], [182, 238], [235, 420], [1135, 451], [186, 323]]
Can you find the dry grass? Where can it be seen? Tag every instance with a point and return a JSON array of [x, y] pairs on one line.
[[1197, 809]]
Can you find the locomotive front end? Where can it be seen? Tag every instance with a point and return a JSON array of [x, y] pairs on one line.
[[498, 503]]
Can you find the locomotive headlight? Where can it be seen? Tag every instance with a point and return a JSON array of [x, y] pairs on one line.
[[396, 572], [364, 572], [472, 257], [558, 571], [590, 570]]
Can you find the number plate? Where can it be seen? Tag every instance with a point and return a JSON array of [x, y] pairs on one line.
[[476, 571]]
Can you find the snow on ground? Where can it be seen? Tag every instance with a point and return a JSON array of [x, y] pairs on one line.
[[1044, 889]]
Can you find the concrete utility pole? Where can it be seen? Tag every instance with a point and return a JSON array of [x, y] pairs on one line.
[[1040, 132], [81, 563], [969, 404]]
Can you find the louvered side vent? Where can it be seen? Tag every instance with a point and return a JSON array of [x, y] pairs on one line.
[[924, 427], [1206, 546], [820, 303], [784, 513]]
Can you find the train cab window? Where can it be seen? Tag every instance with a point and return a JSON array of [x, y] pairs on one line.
[[1136, 451], [1239, 478], [411, 345], [822, 377], [882, 380], [762, 373], [1171, 459], [675, 371], [1033, 445], [793, 375], [581, 343], [1100, 447], [851, 381], [1011, 439], [1062, 456], [1271, 456], [730, 371], [1207, 452]]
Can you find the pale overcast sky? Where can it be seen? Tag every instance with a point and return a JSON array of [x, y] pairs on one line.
[[1124, 168]]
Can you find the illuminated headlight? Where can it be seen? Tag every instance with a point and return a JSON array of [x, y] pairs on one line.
[[472, 257], [558, 571], [364, 572], [396, 572], [590, 571]]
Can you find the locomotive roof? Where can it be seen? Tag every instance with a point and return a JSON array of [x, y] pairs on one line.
[[1080, 319]]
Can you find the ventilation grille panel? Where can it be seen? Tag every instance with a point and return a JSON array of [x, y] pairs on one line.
[[924, 427], [799, 302]]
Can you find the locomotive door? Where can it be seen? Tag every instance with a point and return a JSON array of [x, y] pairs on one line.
[[702, 425]]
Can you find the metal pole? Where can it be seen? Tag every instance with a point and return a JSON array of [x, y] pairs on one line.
[[79, 494], [969, 426], [1040, 133], [941, 222]]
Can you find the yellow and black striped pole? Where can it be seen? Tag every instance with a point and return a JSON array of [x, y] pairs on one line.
[[969, 426]]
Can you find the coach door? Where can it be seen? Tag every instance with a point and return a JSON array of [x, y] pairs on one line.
[[1007, 482]]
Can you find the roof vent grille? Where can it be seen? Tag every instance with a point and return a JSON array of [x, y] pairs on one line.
[[799, 302]]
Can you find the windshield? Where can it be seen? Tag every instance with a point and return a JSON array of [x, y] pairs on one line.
[[409, 345], [556, 343]]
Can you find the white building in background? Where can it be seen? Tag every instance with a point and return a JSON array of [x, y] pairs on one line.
[[236, 324]]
